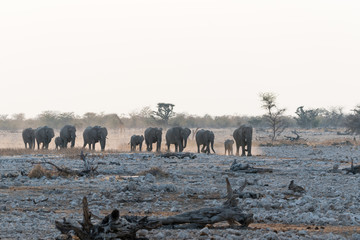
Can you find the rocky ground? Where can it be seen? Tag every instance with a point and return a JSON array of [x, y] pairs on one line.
[[329, 209]]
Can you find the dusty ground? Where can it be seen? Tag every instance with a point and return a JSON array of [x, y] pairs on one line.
[[330, 208]]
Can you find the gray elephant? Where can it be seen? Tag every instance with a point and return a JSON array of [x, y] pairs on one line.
[[136, 140], [243, 137], [68, 134], [93, 135], [205, 138], [44, 135], [153, 135], [177, 136], [59, 143], [28, 136], [228, 144]]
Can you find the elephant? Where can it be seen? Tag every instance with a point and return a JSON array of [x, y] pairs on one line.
[[136, 140], [68, 134], [93, 135], [243, 137], [44, 135], [177, 136], [205, 138], [228, 144], [153, 135], [59, 143], [28, 136]]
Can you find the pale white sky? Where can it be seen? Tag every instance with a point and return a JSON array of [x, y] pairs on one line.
[[206, 57]]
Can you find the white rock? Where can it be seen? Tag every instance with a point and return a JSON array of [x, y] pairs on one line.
[[204, 232]]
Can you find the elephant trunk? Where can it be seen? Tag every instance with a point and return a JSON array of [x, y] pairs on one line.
[[185, 142], [73, 142]]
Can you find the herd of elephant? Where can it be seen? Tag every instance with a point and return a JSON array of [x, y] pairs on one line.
[[204, 139], [176, 135], [43, 135]]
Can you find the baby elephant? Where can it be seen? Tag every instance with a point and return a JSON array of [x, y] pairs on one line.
[[136, 140], [59, 143], [229, 146]]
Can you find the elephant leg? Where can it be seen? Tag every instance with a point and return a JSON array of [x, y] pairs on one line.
[[249, 148], [203, 147], [243, 145], [237, 148], [158, 147]]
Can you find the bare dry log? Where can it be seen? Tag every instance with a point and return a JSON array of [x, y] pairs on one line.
[[88, 170], [114, 226], [353, 169], [229, 212], [178, 155], [246, 168]]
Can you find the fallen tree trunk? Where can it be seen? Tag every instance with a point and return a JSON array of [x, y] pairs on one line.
[[206, 216], [246, 168], [178, 155], [125, 227]]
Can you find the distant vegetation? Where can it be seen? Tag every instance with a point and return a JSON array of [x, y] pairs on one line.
[[325, 118]]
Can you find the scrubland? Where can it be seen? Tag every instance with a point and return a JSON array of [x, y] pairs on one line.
[[147, 184]]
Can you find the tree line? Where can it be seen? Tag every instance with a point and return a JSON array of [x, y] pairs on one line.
[[306, 118], [274, 118]]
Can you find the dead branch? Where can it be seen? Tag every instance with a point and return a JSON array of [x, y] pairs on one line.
[[246, 168], [125, 227], [63, 171], [293, 138], [87, 171], [353, 169], [178, 155], [42, 200]]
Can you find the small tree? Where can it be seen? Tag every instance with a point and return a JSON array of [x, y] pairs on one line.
[[164, 112], [307, 118], [352, 121], [332, 118], [274, 116]]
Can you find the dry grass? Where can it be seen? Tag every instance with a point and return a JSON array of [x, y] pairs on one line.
[[39, 171], [156, 172]]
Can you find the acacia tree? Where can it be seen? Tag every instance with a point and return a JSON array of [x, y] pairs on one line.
[[333, 117], [274, 115], [164, 112], [352, 121], [307, 118]]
